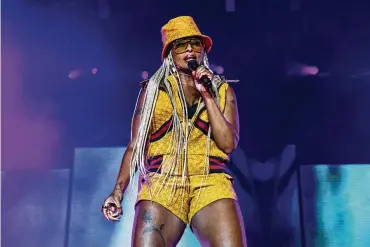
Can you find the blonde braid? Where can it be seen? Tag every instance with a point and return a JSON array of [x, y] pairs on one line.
[[179, 135]]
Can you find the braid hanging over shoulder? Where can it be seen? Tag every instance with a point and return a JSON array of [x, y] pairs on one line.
[[179, 133]]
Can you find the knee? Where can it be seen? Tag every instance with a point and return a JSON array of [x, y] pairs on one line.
[[147, 238]]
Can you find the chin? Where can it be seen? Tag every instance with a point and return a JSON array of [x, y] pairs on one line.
[[182, 66], [184, 70]]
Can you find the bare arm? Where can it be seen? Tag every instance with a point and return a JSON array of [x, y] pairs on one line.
[[225, 126], [123, 178]]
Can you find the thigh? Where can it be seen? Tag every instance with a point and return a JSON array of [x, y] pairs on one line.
[[155, 226], [220, 224]]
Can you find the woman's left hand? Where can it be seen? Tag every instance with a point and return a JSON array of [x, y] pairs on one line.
[[199, 73]]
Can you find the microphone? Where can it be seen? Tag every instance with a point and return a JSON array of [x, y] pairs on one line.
[[205, 81]]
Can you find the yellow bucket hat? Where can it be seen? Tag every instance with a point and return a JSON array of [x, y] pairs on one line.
[[182, 27]]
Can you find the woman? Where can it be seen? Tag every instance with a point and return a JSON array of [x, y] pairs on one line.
[[182, 135]]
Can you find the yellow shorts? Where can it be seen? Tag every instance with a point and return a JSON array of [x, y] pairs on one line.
[[186, 200]]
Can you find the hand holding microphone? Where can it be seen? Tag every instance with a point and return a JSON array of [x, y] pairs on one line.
[[202, 75], [112, 208]]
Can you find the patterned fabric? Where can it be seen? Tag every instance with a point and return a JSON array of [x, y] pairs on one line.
[[160, 138], [185, 201], [184, 194], [181, 27], [216, 164]]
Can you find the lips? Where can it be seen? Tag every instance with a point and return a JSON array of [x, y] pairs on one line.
[[190, 57]]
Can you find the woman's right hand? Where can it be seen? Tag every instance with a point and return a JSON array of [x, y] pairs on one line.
[[112, 208]]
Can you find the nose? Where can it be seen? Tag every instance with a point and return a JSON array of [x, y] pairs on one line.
[[189, 48]]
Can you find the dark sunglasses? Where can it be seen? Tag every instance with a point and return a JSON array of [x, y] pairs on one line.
[[180, 46]]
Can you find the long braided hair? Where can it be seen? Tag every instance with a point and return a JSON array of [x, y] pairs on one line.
[[179, 133]]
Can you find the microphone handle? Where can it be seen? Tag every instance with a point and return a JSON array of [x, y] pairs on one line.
[[206, 82]]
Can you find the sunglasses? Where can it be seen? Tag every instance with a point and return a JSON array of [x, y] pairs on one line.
[[181, 45]]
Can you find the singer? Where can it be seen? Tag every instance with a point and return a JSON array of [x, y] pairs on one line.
[[184, 128]]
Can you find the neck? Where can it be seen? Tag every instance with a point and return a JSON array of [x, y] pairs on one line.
[[188, 85], [186, 78]]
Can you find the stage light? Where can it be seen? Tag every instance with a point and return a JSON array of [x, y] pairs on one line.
[[145, 75], [74, 74], [301, 69], [309, 70], [230, 6], [219, 70]]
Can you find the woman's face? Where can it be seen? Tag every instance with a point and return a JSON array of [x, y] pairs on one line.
[[186, 49]]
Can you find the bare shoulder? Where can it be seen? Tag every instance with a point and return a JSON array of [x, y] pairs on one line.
[[140, 98], [230, 95]]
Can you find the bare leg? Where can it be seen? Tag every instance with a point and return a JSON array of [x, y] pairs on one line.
[[220, 224], [155, 226]]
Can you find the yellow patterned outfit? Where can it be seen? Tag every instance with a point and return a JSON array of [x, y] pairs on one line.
[[201, 187]]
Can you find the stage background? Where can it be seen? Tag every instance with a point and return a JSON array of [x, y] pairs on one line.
[[94, 175], [335, 205], [69, 84], [62, 207]]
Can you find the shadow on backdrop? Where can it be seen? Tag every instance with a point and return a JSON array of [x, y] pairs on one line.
[[269, 198]]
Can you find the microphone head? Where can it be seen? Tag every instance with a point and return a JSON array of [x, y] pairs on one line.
[[193, 64]]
